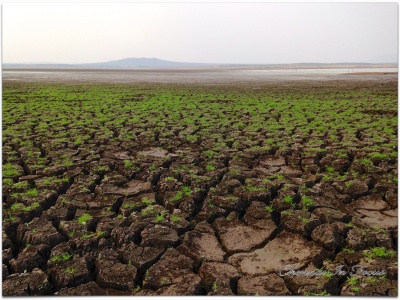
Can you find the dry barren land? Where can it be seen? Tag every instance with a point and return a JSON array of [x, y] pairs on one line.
[[211, 188]]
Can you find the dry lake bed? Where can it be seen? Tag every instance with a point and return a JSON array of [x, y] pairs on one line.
[[218, 181]]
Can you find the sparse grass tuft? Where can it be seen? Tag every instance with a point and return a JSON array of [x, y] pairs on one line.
[[307, 202], [269, 208], [84, 218], [380, 252], [61, 258]]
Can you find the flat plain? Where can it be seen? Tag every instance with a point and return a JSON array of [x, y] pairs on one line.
[[186, 183]]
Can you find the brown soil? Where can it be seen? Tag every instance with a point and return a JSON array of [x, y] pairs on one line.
[[147, 236]]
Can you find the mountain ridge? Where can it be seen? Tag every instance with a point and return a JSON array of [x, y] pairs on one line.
[[124, 63], [148, 63]]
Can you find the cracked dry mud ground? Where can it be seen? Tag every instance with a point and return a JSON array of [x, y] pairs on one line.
[[199, 190]]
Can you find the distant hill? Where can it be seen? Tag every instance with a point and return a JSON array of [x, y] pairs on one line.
[[126, 63], [155, 63], [144, 63]]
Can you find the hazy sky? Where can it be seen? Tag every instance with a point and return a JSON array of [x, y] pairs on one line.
[[200, 32]]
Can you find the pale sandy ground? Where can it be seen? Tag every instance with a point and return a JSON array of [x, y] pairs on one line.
[[214, 75]]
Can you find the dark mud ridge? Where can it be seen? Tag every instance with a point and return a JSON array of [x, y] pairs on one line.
[[166, 216]]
